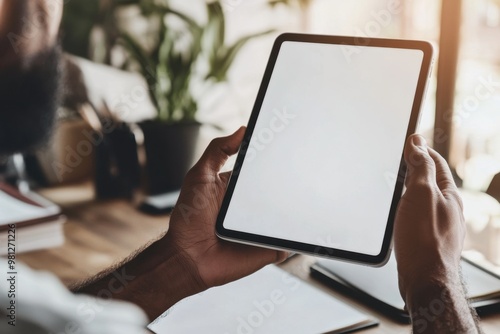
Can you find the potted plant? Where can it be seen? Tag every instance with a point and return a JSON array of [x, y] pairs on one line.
[[182, 48]]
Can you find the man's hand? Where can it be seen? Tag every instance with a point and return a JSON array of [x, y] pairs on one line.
[[430, 227], [428, 235], [192, 226], [189, 258]]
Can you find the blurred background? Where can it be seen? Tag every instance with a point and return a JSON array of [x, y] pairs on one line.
[[182, 72]]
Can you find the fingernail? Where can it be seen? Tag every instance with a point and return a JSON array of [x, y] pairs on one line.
[[419, 141]]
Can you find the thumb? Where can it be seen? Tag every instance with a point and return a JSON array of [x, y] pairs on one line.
[[218, 151], [421, 166]]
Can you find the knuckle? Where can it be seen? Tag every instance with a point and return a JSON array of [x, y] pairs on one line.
[[416, 157], [458, 198], [460, 202], [216, 142], [455, 198], [281, 256], [193, 172], [422, 188]]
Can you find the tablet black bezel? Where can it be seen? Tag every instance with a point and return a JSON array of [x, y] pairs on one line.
[[316, 250]]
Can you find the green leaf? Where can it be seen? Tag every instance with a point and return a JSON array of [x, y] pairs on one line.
[[155, 54], [117, 3], [277, 2], [215, 30], [225, 59], [146, 64], [191, 22], [195, 29]]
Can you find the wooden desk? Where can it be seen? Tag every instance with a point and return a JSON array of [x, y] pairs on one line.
[[99, 234]]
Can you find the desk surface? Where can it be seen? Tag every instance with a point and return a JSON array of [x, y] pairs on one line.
[[99, 234]]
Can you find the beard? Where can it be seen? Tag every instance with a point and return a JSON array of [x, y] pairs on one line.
[[29, 97]]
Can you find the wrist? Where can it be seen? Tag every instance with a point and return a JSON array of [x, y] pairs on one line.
[[437, 288], [425, 292], [441, 306], [424, 277], [165, 275], [156, 279], [179, 269]]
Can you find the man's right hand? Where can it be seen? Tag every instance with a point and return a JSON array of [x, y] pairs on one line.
[[430, 227], [428, 235]]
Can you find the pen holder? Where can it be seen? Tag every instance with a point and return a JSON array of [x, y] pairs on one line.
[[117, 166]]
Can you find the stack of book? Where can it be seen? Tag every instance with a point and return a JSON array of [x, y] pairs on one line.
[[28, 222]]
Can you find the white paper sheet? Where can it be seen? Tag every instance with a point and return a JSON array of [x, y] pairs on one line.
[[269, 301]]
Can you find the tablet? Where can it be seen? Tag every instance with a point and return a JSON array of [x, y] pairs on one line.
[[320, 169]]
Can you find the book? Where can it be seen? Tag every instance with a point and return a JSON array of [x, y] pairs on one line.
[[268, 301], [378, 287], [38, 222]]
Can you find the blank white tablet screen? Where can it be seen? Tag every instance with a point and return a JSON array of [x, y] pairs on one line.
[[322, 162]]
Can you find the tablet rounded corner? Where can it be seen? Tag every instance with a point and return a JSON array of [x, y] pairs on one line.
[[285, 36], [384, 260], [431, 47], [220, 231]]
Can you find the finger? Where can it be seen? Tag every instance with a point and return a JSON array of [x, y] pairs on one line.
[[218, 151], [256, 257], [236, 260], [421, 167], [225, 177], [444, 178], [263, 256]]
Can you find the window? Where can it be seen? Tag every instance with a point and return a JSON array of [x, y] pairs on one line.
[[475, 141]]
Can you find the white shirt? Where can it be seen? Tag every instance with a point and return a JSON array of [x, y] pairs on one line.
[[42, 304]]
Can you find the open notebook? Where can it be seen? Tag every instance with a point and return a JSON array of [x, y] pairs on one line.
[[269, 301], [378, 287]]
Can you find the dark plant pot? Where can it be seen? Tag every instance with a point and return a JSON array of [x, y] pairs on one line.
[[169, 154], [117, 173]]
